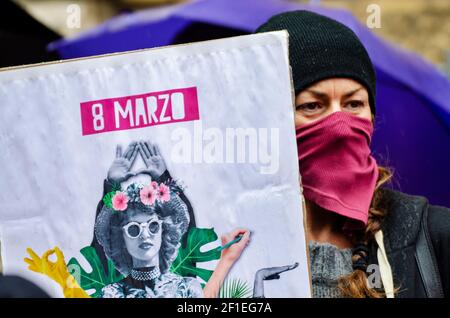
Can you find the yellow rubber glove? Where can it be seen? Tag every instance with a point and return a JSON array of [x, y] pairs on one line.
[[57, 271]]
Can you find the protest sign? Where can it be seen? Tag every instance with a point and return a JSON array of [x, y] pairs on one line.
[[153, 173]]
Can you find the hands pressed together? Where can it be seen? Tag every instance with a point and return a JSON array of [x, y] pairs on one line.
[[120, 169]]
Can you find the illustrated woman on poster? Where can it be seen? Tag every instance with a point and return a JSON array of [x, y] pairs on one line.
[[121, 170], [140, 227]]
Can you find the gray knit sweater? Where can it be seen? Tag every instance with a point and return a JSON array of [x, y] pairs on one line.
[[328, 263]]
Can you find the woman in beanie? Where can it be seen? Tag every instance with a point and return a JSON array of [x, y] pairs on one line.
[[364, 240]]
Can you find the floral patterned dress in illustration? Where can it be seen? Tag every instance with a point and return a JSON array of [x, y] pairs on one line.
[[167, 285]]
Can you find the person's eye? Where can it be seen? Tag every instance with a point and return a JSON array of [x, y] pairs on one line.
[[309, 107], [354, 105], [133, 230], [153, 227]]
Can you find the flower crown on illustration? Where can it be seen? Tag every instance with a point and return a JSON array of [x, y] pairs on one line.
[[147, 194]]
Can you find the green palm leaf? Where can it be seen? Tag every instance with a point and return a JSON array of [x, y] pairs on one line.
[[97, 278], [235, 288], [186, 262]]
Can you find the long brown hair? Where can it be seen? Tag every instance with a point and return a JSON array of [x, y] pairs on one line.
[[355, 284]]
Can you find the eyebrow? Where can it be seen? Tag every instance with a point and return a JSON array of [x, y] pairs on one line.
[[317, 94], [325, 96], [347, 95]]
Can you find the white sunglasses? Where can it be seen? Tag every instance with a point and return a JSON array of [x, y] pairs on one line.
[[134, 229]]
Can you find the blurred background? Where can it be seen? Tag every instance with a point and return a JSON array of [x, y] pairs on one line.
[[408, 41], [422, 26]]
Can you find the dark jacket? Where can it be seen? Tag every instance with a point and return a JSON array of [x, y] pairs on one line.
[[401, 229]]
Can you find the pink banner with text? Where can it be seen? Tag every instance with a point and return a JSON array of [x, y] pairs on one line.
[[137, 111]]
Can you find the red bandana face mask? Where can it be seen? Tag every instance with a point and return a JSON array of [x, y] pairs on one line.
[[337, 170]]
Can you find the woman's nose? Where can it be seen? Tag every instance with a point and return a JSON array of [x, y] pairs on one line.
[[145, 234], [335, 106]]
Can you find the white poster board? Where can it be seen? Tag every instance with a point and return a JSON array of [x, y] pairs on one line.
[[217, 114]]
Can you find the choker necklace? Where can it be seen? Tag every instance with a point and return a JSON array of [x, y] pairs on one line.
[[146, 274]]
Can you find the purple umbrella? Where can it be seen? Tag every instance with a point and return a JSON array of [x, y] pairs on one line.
[[413, 100]]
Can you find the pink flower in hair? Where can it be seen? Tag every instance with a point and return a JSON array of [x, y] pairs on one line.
[[154, 185], [163, 193], [120, 201], [148, 195]]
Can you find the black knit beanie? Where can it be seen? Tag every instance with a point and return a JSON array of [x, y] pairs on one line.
[[321, 48]]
